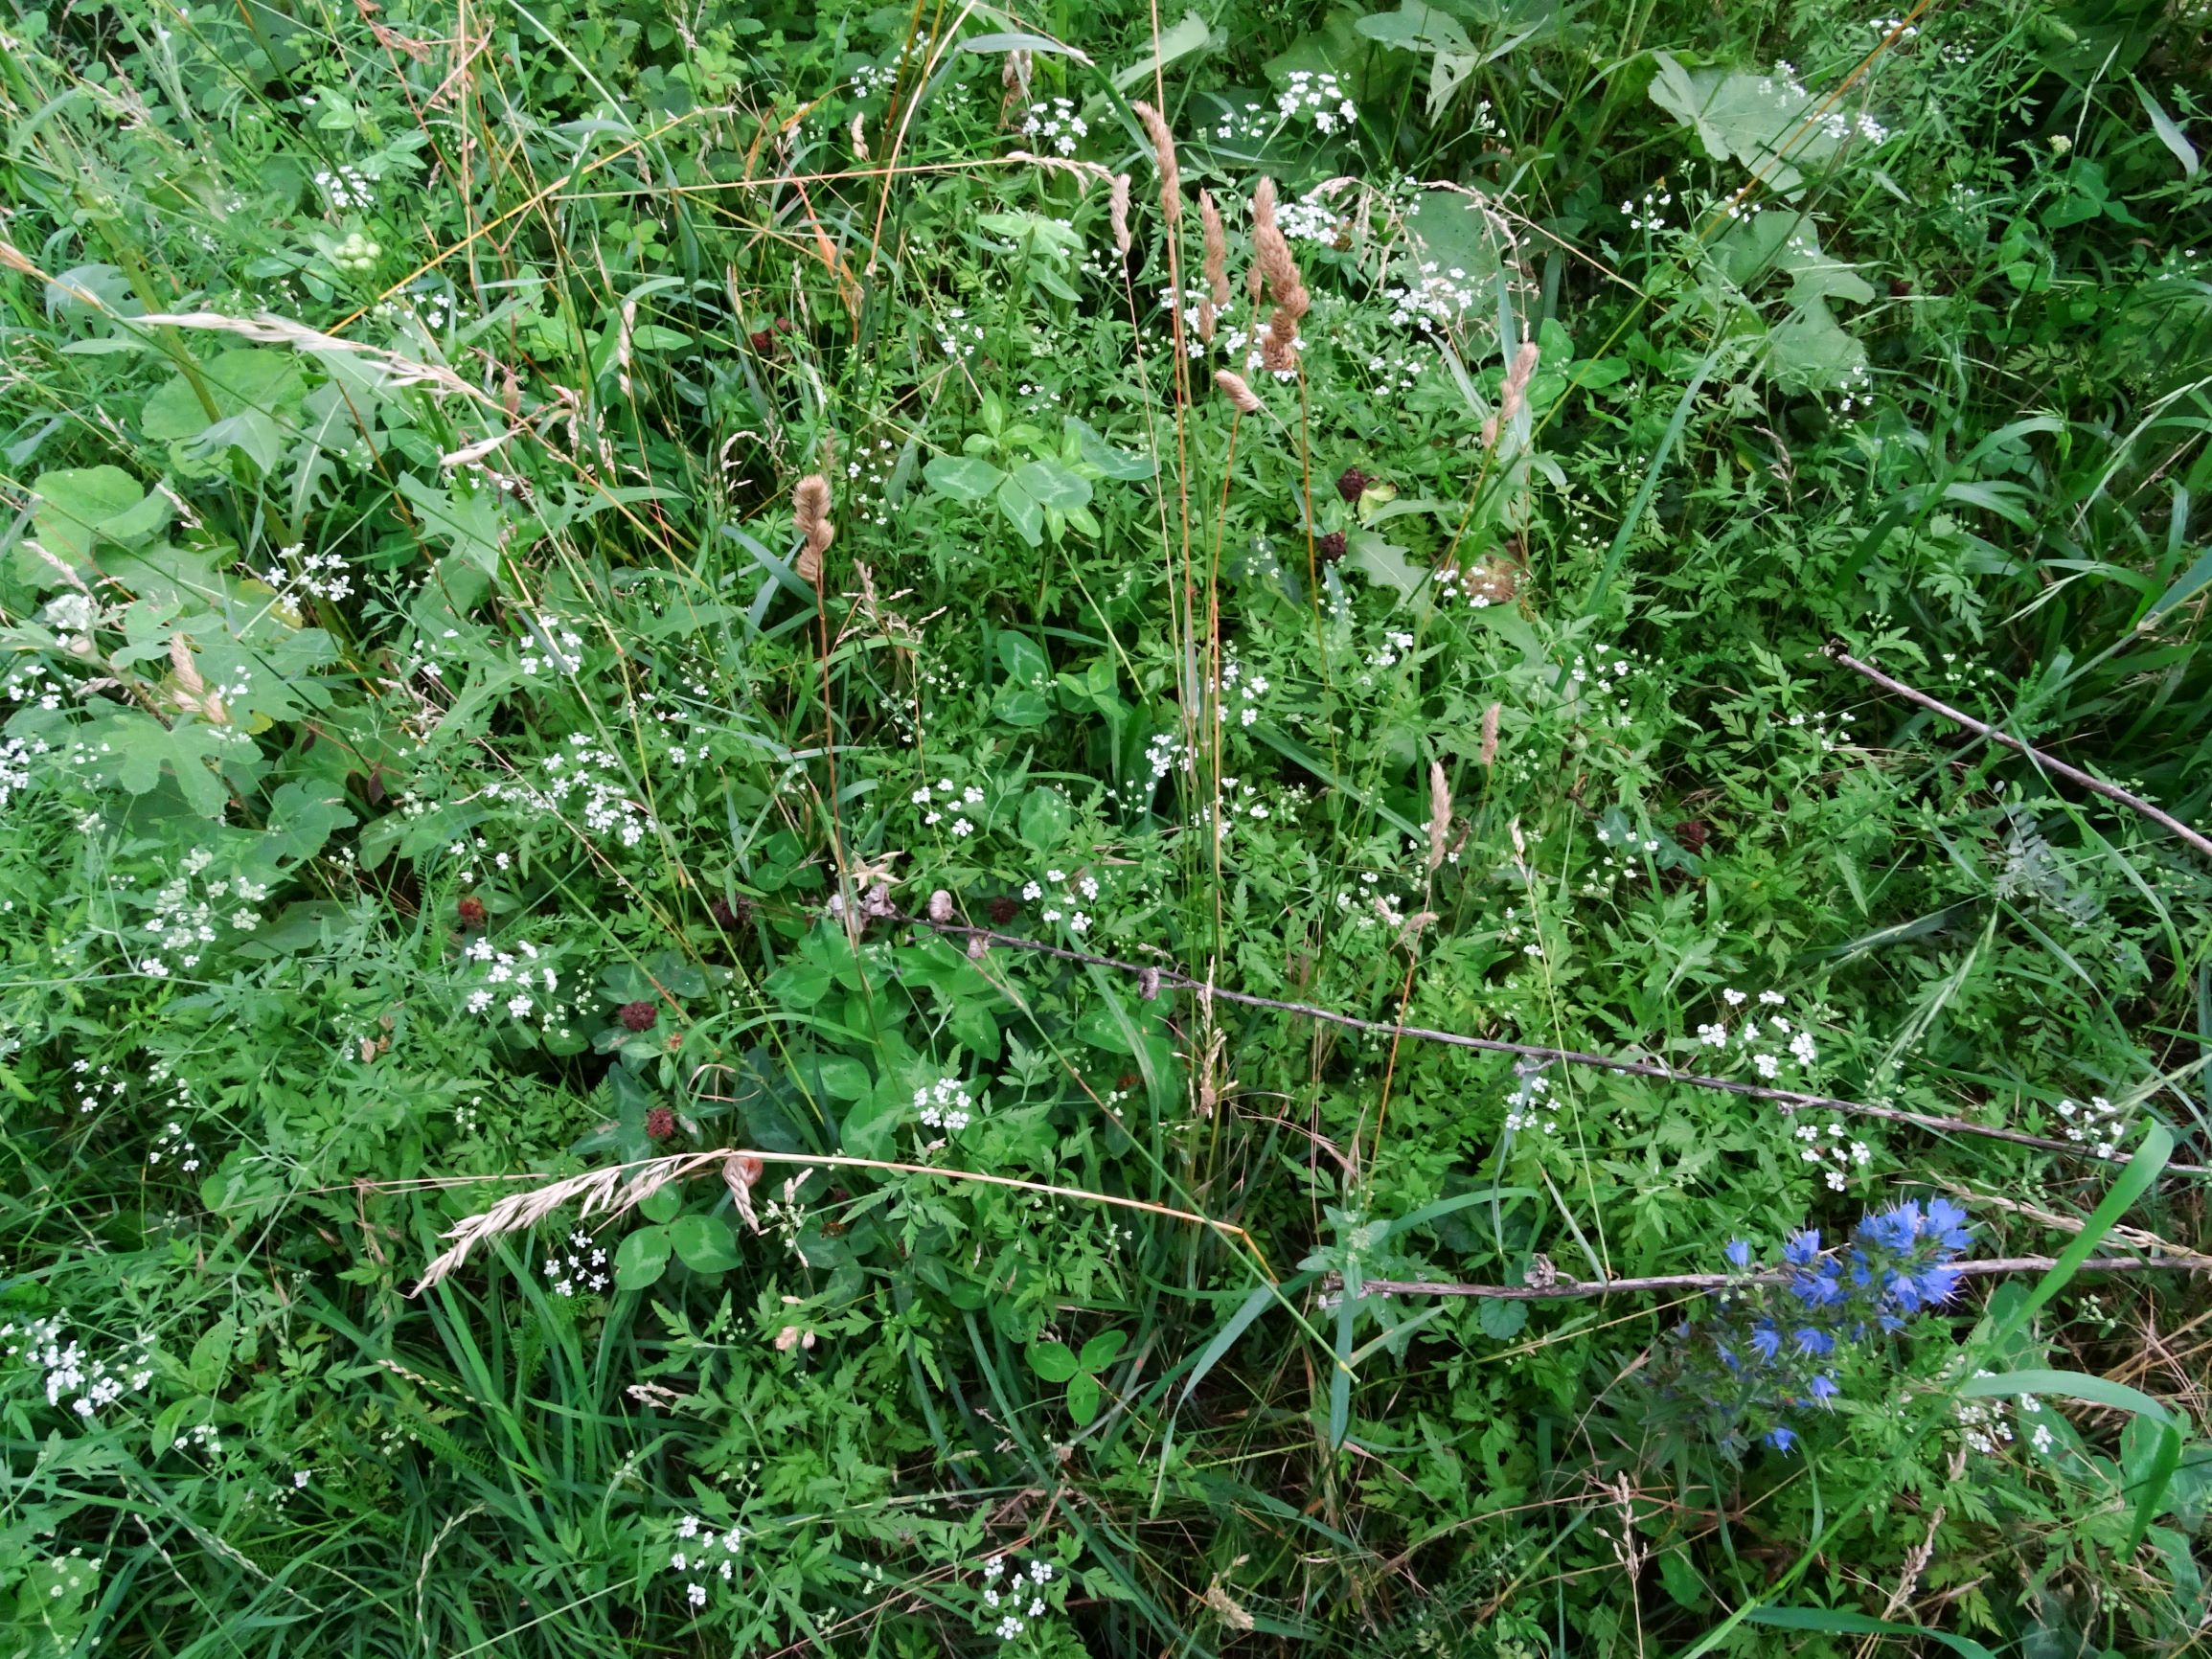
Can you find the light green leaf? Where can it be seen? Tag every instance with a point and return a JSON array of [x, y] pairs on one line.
[[1383, 562], [1023, 510], [1054, 485], [1045, 819], [247, 381], [704, 1243], [470, 521], [1023, 658], [1051, 1360], [1753, 118], [2169, 134], [79, 507], [1084, 1395], [135, 749], [963, 477], [1100, 1351], [1190, 34], [642, 1258]]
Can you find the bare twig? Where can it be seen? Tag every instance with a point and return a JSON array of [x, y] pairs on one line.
[[2048, 762], [1788, 1100], [1564, 1289]]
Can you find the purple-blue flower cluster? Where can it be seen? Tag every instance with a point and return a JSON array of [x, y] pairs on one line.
[[1769, 1351]]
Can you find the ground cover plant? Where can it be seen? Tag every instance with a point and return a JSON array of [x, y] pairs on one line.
[[933, 830]]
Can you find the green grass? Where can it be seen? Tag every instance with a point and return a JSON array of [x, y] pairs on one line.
[[435, 767]]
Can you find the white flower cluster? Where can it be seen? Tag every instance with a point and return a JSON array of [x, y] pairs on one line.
[[1838, 1158], [89, 1082], [551, 642], [514, 979], [89, 1383], [1397, 372], [946, 1104], [1530, 1105], [1319, 96], [1162, 753], [177, 1145], [1397, 645], [872, 77], [184, 926], [1312, 219], [1086, 886], [958, 338], [1372, 908], [1440, 298], [1238, 799], [2100, 1126], [15, 770], [317, 575], [1762, 1037], [962, 808], [1648, 215], [1986, 1425], [591, 779], [1016, 1593], [344, 187], [1247, 124], [1054, 124], [23, 684], [581, 1263], [706, 1556], [1241, 689], [870, 469]]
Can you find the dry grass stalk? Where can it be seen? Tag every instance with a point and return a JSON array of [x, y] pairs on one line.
[[1490, 735], [1217, 266], [1514, 399], [1156, 127], [1279, 350], [1234, 389], [811, 512], [1439, 813], [1118, 209]]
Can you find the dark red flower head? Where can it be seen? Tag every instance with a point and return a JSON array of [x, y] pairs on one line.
[[1002, 910], [729, 915], [637, 1015], [472, 909], [1330, 547], [1352, 484], [660, 1122]]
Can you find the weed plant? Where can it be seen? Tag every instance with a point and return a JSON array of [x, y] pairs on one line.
[[555, 565]]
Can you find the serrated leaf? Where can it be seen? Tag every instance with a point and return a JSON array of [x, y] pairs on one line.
[[135, 749], [247, 381], [1501, 1321], [1383, 562], [79, 507], [470, 521]]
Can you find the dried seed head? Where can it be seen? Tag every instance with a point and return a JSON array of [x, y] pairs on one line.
[[1439, 812], [977, 946], [1163, 141], [1149, 985], [1118, 211], [1234, 389], [1217, 265], [811, 515], [941, 907], [1490, 733]]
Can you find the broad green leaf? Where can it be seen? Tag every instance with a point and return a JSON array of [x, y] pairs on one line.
[[1192, 35], [963, 477], [2169, 134], [137, 750], [1084, 1395], [1051, 1360], [1415, 27], [844, 1078], [1383, 562], [1045, 819], [1843, 1624], [642, 1258], [1053, 485], [2068, 1385], [1023, 510], [1100, 1351], [470, 521], [247, 381], [1752, 117], [704, 1243], [1023, 658], [1808, 351], [76, 508]]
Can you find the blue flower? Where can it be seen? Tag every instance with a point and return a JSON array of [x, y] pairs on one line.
[[1802, 1249], [1765, 1340], [1780, 1438], [1946, 1224], [1937, 1283], [1739, 1252], [1824, 1389], [1812, 1342]]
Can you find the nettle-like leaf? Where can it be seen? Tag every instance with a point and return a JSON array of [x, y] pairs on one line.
[[131, 747], [1763, 119]]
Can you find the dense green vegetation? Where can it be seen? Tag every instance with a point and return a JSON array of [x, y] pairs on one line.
[[560, 565]]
